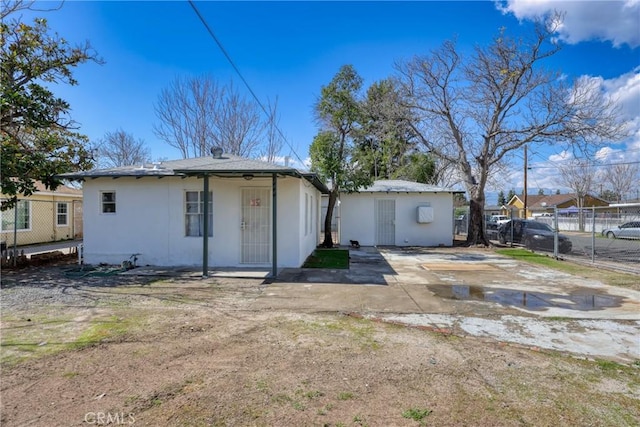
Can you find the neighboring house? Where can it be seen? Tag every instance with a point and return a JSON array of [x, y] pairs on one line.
[[45, 216], [490, 210], [257, 214], [397, 213], [544, 204]]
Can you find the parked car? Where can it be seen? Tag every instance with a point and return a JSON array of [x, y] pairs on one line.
[[533, 235], [499, 219], [629, 230]]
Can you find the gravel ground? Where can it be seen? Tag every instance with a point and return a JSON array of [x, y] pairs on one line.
[[63, 283]]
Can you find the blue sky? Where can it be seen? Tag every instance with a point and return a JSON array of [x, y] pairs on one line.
[[289, 50]]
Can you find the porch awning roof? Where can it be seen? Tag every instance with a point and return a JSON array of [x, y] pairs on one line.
[[226, 166]]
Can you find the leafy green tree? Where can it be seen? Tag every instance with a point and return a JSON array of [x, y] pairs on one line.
[[417, 167], [510, 195], [338, 112], [39, 139], [385, 136], [501, 199], [540, 192]]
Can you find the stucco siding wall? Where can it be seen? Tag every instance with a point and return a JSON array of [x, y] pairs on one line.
[[309, 206], [149, 220], [358, 219], [43, 225]]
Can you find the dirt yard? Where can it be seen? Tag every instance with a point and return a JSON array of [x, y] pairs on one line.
[[115, 350]]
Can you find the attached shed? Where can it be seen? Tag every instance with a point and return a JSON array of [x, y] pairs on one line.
[[397, 213], [219, 211]]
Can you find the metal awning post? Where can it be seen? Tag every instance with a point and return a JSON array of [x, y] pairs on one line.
[[205, 228], [274, 226]]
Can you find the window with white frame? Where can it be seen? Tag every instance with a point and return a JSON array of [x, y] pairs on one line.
[[18, 217], [194, 214], [62, 214], [108, 202]]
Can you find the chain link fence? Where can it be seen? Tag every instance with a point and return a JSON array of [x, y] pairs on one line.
[[33, 222], [609, 234]]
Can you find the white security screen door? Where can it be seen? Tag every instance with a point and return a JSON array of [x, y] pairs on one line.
[[256, 226], [385, 222]]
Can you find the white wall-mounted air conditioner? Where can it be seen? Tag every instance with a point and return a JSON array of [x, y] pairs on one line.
[[425, 214]]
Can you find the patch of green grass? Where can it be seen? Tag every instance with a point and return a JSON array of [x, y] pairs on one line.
[[345, 395], [416, 414], [262, 385], [328, 258], [359, 420], [35, 336], [100, 331], [532, 257], [313, 394]]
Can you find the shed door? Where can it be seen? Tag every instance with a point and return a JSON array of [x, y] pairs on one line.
[[385, 222], [256, 226]]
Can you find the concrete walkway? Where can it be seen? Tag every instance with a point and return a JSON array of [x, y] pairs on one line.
[[470, 292]]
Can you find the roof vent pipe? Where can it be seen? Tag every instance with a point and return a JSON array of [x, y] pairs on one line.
[[216, 152]]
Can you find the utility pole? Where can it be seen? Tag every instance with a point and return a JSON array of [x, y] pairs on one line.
[[525, 182]]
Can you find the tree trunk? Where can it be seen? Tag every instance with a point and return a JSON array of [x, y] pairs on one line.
[[328, 239], [476, 234]]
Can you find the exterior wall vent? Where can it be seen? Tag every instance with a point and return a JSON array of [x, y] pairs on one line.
[[216, 152]]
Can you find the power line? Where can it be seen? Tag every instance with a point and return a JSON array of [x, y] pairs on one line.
[[237, 70], [594, 164]]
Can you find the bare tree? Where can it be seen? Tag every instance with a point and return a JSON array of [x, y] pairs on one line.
[[186, 110], [238, 126], [622, 178], [475, 113], [578, 175], [7, 7], [274, 140], [120, 148], [195, 114]]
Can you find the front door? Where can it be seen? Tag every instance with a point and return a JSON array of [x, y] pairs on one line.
[[385, 222], [256, 226]]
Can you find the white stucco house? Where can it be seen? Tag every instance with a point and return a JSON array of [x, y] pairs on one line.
[[397, 213], [257, 214]]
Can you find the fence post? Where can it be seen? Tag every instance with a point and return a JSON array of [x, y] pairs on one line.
[[511, 224], [555, 232], [15, 233], [593, 234]]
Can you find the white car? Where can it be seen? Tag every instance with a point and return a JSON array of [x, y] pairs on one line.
[[629, 230], [499, 219]]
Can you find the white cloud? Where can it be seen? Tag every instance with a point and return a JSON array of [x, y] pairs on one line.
[[616, 21], [606, 153], [626, 90], [561, 156]]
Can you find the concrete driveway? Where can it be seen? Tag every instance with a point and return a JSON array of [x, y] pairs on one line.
[[471, 292]]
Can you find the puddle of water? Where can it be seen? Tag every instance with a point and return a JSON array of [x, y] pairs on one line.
[[579, 299]]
